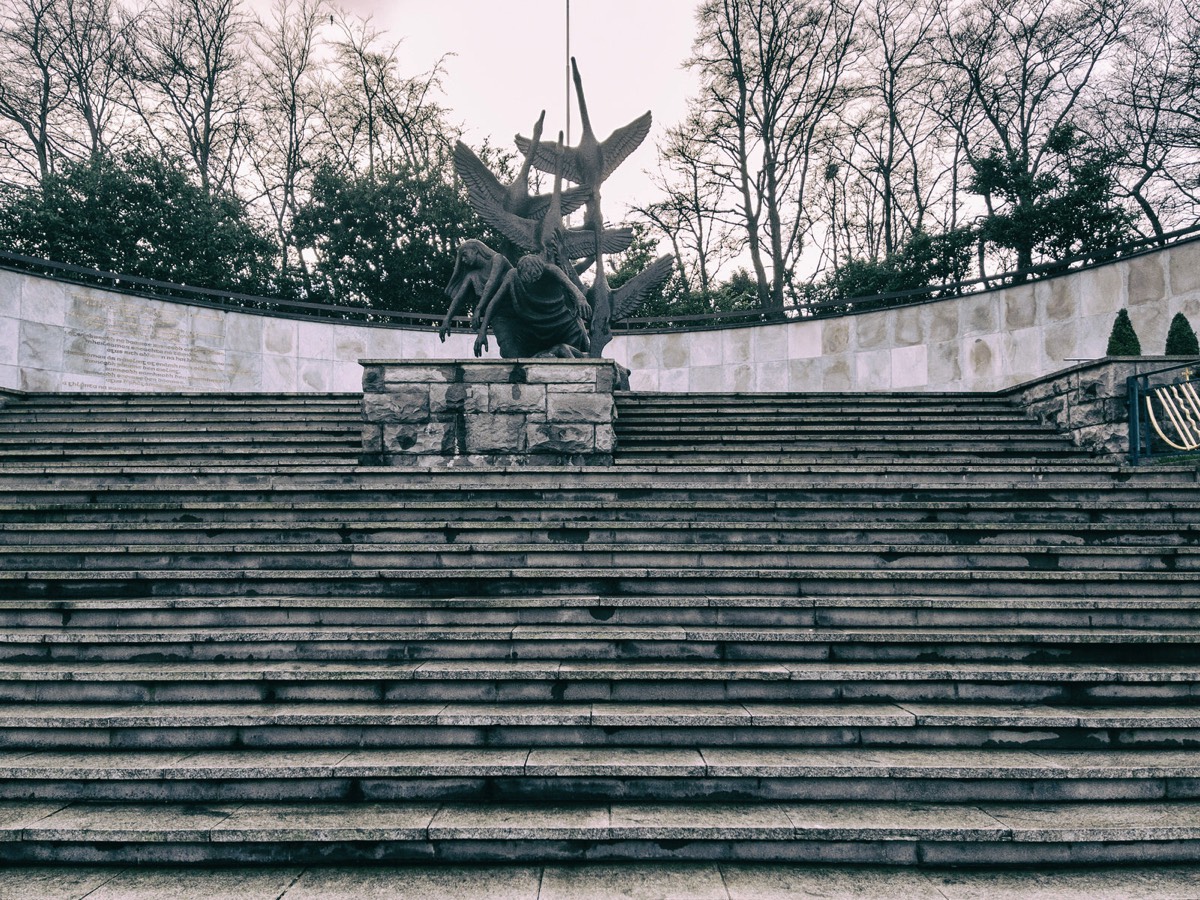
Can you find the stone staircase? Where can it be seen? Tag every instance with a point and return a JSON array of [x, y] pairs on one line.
[[905, 629]]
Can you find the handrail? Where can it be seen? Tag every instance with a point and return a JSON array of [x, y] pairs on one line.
[[1178, 432], [944, 290], [372, 316]]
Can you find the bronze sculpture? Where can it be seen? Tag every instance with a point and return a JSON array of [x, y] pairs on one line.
[[530, 292]]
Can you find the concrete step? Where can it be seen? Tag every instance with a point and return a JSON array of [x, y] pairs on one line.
[[684, 609], [350, 724], [598, 881], [934, 834], [85, 401], [798, 458], [580, 642], [642, 680], [619, 558], [1074, 482], [941, 510], [655, 423], [192, 437], [574, 533], [58, 584], [555, 774]]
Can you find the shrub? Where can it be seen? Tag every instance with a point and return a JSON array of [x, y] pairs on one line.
[[1124, 340], [1181, 339]]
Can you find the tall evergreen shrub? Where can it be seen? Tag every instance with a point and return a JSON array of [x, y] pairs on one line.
[[1123, 341], [1181, 339]]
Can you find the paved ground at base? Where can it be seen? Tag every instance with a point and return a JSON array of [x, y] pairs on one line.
[[637, 882]]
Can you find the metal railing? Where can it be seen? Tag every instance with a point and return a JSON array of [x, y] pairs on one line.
[[372, 316], [911, 297], [1164, 413]]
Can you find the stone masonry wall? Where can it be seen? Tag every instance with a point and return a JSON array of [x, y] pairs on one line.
[[1089, 402], [488, 412], [56, 336]]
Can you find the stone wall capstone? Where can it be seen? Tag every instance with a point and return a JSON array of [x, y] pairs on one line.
[[488, 412]]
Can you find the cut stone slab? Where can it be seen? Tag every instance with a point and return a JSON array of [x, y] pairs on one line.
[[433, 762], [651, 821], [142, 823], [803, 882], [768, 762], [893, 822], [515, 714], [1034, 716], [219, 884], [1165, 821], [695, 715], [544, 823], [830, 715], [1158, 883], [615, 762], [16, 816], [318, 822], [58, 883], [665, 881], [515, 882]]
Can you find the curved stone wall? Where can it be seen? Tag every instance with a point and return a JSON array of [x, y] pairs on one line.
[[57, 336], [982, 342]]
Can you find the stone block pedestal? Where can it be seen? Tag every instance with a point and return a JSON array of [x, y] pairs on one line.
[[1089, 402], [428, 413]]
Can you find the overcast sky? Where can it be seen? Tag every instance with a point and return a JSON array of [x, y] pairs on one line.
[[510, 64]]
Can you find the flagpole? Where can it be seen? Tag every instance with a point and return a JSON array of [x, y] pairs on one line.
[[568, 71]]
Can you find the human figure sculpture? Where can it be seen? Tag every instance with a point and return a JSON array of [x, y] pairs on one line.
[[531, 294]]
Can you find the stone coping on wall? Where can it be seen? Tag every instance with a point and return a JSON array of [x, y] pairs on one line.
[[469, 412]]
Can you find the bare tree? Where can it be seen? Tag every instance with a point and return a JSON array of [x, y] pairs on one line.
[[773, 79], [89, 64], [282, 138], [186, 65], [895, 150], [31, 93], [1022, 70], [376, 116], [694, 213]]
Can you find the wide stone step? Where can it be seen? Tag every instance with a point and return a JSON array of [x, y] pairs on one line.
[[638, 680], [601, 881], [934, 834], [1072, 482], [572, 532], [165, 398], [350, 724], [21, 419], [772, 611], [637, 420], [188, 437], [624, 643], [793, 458], [898, 446], [449, 581], [574, 511], [555, 774], [702, 555]]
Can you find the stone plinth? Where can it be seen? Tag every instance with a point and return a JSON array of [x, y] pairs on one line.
[[1090, 402], [488, 412]]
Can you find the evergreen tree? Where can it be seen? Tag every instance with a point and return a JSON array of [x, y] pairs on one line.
[[138, 214], [1181, 339], [1124, 340]]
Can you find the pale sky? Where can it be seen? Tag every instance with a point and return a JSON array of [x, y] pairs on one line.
[[510, 64]]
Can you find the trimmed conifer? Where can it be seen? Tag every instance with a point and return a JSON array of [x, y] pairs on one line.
[[1181, 339], [1123, 341]]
